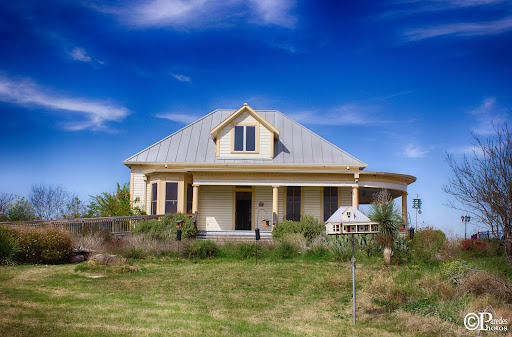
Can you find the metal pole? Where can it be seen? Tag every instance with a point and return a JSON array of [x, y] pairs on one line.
[[465, 223], [416, 219], [353, 281]]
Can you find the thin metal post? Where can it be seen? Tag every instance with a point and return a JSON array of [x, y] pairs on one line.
[[353, 281]]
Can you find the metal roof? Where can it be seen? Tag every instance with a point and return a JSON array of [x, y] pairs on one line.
[[340, 216], [296, 145]]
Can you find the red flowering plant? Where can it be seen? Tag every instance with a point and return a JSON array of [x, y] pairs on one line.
[[473, 245]]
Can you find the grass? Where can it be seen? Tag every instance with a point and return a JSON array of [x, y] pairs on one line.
[[299, 296]]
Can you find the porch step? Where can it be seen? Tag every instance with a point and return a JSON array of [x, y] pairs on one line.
[[233, 236]]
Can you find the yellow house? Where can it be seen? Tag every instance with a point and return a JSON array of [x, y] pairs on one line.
[[238, 168]]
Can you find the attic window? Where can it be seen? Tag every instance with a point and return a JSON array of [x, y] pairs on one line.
[[245, 138], [348, 215]]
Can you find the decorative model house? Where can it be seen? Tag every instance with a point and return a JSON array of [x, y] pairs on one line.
[[348, 220]]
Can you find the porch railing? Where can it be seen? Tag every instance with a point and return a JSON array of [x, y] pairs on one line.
[[77, 226]]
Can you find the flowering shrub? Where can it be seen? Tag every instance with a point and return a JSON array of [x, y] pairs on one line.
[[42, 244], [473, 245]]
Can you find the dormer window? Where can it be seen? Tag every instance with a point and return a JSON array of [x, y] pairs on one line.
[[244, 139]]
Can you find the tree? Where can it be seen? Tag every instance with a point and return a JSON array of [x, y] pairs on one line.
[[482, 184], [384, 210], [113, 204], [21, 210], [6, 199], [75, 208], [49, 201]]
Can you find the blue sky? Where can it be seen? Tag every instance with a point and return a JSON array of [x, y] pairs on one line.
[[84, 84]]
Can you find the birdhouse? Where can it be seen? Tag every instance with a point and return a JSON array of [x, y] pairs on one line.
[[348, 220]]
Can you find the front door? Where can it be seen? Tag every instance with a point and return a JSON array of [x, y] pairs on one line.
[[243, 211]]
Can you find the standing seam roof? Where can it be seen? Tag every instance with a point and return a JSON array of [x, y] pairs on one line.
[[193, 144]]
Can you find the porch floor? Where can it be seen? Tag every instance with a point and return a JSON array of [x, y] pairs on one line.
[[238, 235]]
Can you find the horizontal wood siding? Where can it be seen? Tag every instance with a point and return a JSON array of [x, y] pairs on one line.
[[281, 214], [265, 139], [263, 194], [215, 208], [312, 201], [139, 187], [346, 196]]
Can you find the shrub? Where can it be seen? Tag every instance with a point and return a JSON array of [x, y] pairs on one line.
[[428, 243], [136, 253], [341, 248], [473, 245], [318, 249], [42, 244], [308, 226], [247, 250], [165, 228], [285, 227], [8, 247], [201, 249], [401, 250]]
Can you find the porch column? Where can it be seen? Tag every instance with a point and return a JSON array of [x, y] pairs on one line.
[[404, 208], [275, 203], [195, 197], [355, 197]]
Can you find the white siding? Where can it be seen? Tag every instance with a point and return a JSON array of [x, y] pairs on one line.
[[225, 146], [312, 201], [281, 215], [215, 208], [139, 187], [346, 196], [263, 194]]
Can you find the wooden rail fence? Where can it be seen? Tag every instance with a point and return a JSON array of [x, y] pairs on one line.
[[118, 224]]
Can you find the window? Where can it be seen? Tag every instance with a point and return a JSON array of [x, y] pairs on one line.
[[330, 201], [171, 197], [245, 138], [153, 197], [190, 192], [293, 200]]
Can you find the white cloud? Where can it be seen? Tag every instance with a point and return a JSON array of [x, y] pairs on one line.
[[346, 114], [94, 113], [461, 29], [468, 149], [182, 78], [180, 118], [79, 54], [200, 13], [487, 114], [414, 151]]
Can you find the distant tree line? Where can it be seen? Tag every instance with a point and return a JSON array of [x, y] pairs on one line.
[[53, 202]]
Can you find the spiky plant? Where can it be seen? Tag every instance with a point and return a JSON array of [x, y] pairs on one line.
[[8, 248], [384, 210]]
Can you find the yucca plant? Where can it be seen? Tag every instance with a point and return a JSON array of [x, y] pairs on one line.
[[384, 210], [8, 248]]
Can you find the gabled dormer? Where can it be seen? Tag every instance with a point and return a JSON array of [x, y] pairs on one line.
[[245, 134]]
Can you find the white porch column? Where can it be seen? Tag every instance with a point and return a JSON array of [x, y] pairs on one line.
[[404, 208], [355, 197], [275, 203], [195, 197]]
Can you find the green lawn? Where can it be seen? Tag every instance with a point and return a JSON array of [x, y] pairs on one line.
[[213, 297]]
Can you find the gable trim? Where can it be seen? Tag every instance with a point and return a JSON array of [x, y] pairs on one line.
[[245, 108]]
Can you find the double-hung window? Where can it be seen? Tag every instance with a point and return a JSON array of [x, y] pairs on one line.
[[171, 197], [154, 191], [330, 201], [244, 138], [293, 203]]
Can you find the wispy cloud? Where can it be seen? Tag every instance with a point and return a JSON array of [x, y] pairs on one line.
[[180, 14], [461, 29], [346, 114], [467, 149], [93, 114], [179, 117], [487, 113], [79, 54], [415, 151], [181, 78]]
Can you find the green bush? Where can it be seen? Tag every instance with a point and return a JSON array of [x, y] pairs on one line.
[[308, 226], [318, 250], [427, 244], [136, 253], [286, 249], [8, 247], [42, 244], [165, 228], [247, 250], [401, 248], [341, 248], [201, 249]]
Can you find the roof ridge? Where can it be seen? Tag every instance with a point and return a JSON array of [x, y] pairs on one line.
[[174, 133], [325, 140]]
